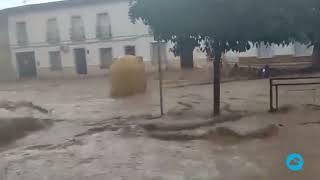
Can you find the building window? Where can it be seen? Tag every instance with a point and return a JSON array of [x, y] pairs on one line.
[[53, 35], [300, 49], [103, 26], [130, 50], [77, 29], [22, 36], [55, 61], [265, 51]]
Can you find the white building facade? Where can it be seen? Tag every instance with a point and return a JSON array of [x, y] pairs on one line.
[[264, 52], [75, 37]]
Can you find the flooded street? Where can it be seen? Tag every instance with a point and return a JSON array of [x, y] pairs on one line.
[[93, 136], [131, 90]]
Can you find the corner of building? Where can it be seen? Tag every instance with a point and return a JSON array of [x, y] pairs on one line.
[[7, 72]]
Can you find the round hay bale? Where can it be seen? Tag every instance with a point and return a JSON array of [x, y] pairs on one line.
[[128, 76]]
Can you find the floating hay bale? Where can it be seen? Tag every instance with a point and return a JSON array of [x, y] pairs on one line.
[[128, 76]]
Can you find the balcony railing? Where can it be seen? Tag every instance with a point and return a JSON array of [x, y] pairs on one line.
[[103, 32], [22, 41], [77, 34], [53, 37]]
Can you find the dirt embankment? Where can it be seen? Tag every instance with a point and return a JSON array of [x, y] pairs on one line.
[[15, 128], [17, 119]]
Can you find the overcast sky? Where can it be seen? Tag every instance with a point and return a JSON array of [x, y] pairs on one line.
[[12, 3]]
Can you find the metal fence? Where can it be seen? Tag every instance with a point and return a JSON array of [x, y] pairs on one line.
[[275, 83]]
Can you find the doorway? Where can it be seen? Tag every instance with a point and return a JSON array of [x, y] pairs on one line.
[[55, 61], [105, 58], [26, 64], [80, 60]]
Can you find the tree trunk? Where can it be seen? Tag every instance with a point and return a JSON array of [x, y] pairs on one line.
[[316, 56], [186, 57], [216, 83]]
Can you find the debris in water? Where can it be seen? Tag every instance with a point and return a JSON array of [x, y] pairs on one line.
[[12, 106]]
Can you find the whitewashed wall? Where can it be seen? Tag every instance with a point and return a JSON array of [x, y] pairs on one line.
[[36, 22], [277, 51], [124, 33], [253, 52]]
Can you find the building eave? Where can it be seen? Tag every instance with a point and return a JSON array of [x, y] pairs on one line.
[[53, 6]]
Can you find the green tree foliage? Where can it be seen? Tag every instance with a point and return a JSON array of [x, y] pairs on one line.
[[232, 25], [150, 13]]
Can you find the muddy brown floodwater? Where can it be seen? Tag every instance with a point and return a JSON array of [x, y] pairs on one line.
[[92, 136]]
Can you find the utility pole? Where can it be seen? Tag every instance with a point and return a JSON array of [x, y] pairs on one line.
[[160, 76]]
